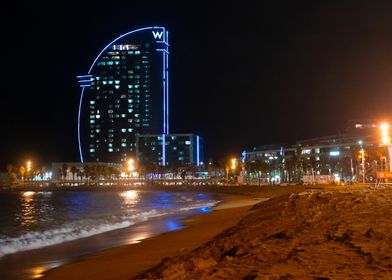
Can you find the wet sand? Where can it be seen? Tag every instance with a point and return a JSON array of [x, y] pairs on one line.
[[129, 261]]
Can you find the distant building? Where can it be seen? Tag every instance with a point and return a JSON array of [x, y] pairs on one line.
[[169, 149], [125, 91], [337, 156]]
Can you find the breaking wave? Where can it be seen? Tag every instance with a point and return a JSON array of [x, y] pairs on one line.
[[85, 228]]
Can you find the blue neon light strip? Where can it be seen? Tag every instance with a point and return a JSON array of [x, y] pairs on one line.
[[167, 84], [167, 101], [80, 145], [165, 59], [163, 149], [164, 92], [86, 81], [95, 61], [83, 76], [197, 151], [162, 50]]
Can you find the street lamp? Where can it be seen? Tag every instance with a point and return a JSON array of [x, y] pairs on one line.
[[385, 139], [130, 165], [28, 166], [233, 164], [360, 142]]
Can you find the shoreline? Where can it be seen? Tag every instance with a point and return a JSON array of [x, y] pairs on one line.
[[236, 201], [151, 250]]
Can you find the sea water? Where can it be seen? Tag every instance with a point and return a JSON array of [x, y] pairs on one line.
[[34, 220]]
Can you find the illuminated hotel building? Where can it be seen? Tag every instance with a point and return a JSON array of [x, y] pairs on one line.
[[124, 92], [180, 149]]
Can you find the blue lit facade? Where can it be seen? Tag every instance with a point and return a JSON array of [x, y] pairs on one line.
[[124, 93], [169, 150]]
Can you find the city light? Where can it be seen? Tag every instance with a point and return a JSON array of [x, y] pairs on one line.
[[233, 163], [130, 165], [28, 166], [385, 139]]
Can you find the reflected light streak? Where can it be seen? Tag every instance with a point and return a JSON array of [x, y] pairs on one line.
[[130, 197], [38, 272], [27, 216], [27, 194], [172, 225], [139, 237]]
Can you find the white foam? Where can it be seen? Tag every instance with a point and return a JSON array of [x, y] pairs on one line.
[[84, 228]]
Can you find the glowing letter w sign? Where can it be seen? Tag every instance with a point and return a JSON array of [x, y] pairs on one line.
[[157, 34]]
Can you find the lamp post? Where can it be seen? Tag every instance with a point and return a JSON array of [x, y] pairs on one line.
[[28, 166], [360, 142], [130, 166], [28, 169], [386, 141]]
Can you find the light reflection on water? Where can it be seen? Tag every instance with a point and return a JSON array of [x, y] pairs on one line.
[[27, 214], [173, 224], [36, 219], [130, 197]]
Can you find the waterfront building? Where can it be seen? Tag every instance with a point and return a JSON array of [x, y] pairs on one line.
[[355, 155], [124, 92], [173, 150]]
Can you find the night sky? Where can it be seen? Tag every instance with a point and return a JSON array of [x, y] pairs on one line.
[[241, 75]]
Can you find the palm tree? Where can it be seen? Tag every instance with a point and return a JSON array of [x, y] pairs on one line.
[[74, 170], [11, 172], [87, 172], [22, 171], [64, 170]]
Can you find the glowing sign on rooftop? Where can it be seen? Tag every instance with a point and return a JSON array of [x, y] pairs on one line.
[[126, 47]]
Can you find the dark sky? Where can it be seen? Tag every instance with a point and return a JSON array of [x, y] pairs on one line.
[[241, 75]]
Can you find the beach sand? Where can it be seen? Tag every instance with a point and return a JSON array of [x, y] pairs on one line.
[[293, 232], [318, 234], [129, 261]]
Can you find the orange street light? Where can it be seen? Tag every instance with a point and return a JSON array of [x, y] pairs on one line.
[[28, 166], [385, 139], [130, 165], [233, 163]]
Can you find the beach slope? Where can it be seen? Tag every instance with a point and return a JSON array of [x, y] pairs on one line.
[[311, 235]]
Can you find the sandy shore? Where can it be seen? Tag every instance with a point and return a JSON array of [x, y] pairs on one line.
[[318, 234], [128, 261], [299, 233]]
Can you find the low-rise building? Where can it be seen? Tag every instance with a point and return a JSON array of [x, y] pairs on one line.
[[355, 155], [169, 149]]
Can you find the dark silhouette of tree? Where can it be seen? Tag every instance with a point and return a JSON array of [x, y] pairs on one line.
[[74, 170], [11, 172], [64, 170]]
